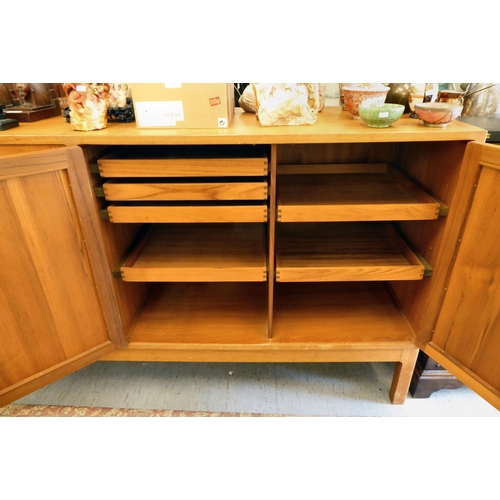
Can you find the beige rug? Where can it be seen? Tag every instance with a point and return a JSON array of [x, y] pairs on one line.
[[21, 410]]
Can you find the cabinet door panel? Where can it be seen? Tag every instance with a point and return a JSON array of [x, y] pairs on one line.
[[53, 320], [468, 330]]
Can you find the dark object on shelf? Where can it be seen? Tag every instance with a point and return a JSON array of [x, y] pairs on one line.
[[429, 377], [125, 114], [399, 94], [238, 91], [490, 123], [6, 123], [32, 102]]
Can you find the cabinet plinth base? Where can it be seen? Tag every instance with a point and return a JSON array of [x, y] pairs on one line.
[[262, 353]]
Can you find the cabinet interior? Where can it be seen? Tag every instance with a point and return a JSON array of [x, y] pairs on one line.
[[332, 244]]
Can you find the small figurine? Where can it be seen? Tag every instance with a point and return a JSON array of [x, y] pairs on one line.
[[30, 102], [120, 106], [118, 95]]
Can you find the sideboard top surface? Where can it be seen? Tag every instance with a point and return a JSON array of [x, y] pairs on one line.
[[332, 126]]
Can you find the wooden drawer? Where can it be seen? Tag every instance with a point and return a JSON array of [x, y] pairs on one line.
[[158, 212], [367, 251], [183, 167], [199, 253], [120, 190], [368, 193]]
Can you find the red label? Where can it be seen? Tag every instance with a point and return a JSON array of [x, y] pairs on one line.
[[214, 101]]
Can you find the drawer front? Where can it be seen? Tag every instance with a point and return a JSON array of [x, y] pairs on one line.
[[183, 167], [151, 213], [169, 191], [359, 212], [193, 274]]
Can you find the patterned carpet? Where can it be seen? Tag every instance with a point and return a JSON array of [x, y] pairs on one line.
[[21, 410]]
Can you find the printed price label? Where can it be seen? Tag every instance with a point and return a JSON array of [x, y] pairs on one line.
[[383, 114], [159, 114]]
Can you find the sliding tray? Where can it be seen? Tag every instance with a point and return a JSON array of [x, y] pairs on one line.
[[122, 212], [200, 252], [334, 193], [369, 251]]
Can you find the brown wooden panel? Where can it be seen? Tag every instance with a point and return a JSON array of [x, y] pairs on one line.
[[158, 213], [370, 152], [271, 249], [13, 149], [54, 373], [20, 165], [489, 155], [333, 168], [464, 375], [49, 294], [451, 179], [116, 240], [203, 191], [265, 352], [433, 165], [468, 329], [183, 167], [200, 252]]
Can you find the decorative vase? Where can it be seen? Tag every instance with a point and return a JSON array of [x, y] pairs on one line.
[[88, 104], [399, 93]]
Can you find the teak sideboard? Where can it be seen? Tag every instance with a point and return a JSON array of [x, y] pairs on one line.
[[326, 243]]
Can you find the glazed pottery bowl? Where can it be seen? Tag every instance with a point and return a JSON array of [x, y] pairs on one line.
[[437, 114], [354, 96], [380, 116]]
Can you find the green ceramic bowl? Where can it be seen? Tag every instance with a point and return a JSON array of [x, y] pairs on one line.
[[380, 116]]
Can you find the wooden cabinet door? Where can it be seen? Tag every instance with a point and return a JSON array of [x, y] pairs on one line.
[[466, 340], [57, 312]]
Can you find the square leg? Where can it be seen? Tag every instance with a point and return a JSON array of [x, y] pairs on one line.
[[402, 376]]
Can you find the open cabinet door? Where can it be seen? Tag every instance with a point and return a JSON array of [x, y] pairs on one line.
[[466, 340], [57, 308]]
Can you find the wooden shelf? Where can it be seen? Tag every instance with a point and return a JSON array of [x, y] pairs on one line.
[[199, 252], [203, 313], [368, 251], [351, 315], [308, 317], [366, 195], [332, 126]]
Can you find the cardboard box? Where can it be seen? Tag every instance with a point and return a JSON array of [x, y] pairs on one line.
[[183, 105]]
